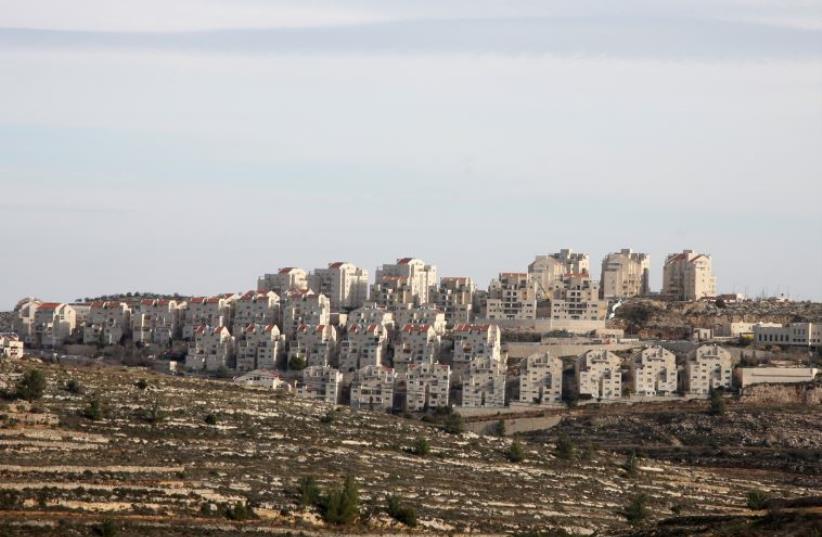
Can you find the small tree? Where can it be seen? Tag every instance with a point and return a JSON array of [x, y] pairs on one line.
[[637, 509], [499, 428], [454, 424], [328, 417], [31, 385], [106, 528], [210, 419], [141, 384], [564, 448], [717, 406], [154, 414], [342, 505], [756, 500], [421, 447], [515, 452], [309, 491], [93, 410], [73, 386], [631, 465], [297, 363], [401, 513]]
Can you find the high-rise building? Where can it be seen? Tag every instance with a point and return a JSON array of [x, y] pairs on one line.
[[624, 275], [688, 276]]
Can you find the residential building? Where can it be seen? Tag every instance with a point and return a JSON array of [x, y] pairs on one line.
[[320, 383], [259, 347], [428, 314], [540, 379], [625, 274], [391, 291], [108, 323], [599, 375], [373, 387], [427, 386], [11, 346], [726, 328], [418, 344], [304, 307], [748, 376], [363, 346], [548, 271], [370, 314], [455, 298], [511, 296], [213, 349], [24, 319], [793, 334], [688, 276], [211, 311], [156, 321], [576, 297], [313, 345], [54, 323], [255, 308], [652, 372], [345, 285], [484, 384], [473, 342], [284, 280], [419, 278], [262, 378], [707, 368]]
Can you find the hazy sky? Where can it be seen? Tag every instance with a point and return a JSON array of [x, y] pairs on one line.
[[190, 145]]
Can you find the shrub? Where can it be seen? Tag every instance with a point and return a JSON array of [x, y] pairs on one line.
[[637, 509], [401, 513], [341, 505], [631, 465], [31, 385], [106, 528], [717, 407], [10, 499], [515, 452], [239, 511], [93, 410], [309, 491], [756, 499], [154, 414], [297, 363], [454, 424], [210, 419], [73, 386], [421, 447], [564, 448], [328, 417], [499, 428], [141, 384]]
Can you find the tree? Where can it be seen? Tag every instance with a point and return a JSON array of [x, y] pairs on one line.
[[756, 500], [297, 363], [631, 465], [499, 428], [401, 513], [73, 386], [637, 509], [106, 528], [421, 447], [210, 419], [93, 410], [342, 505], [717, 406], [564, 448], [309, 491], [515, 452], [31, 385], [141, 384], [454, 424], [154, 414]]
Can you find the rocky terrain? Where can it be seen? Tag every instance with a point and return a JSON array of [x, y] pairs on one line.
[[166, 455]]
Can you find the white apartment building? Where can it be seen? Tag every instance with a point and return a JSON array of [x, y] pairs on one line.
[[284, 280], [373, 387], [625, 274], [315, 344], [370, 314], [652, 372], [304, 307], [108, 322], [455, 298], [473, 342], [156, 321], [420, 277], [255, 308], [688, 276], [484, 385], [11, 346], [707, 368], [418, 343], [392, 291], [748, 376], [345, 285], [24, 319], [206, 311], [576, 297], [599, 375], [511, 296], [213, 348], [793, 334], [54, 323], [259, 347], [540, 379], [548, 271], [363, 346], [427, 386], [262, 378], [320, 383], [428, 314]]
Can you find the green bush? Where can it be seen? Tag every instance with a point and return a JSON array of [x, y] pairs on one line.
[[210, 419], [756, 500], [141, 384], [93, 410], [328, 417], [106, 528], [401, 513], [239, 511], [341, 506], [297, 363], [309, 491], [454, 424], [564, 448], [31, 385], [499, 428], [10, 499], [637, 509], [515, 452], [73, 386], [421, 447], [631, 465], [717, 406]]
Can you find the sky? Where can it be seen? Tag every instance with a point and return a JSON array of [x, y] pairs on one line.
[[191, 145]]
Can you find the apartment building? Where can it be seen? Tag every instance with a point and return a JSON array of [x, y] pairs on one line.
[[707, 368], [688, 276], [625, 274], [455, 298], [598, 375], [417, 344], [345, 285], [315, 345], [363, 346], [749, 376], [206, 311], [24, 319], [108, 322], [259, 347], [393, 291], [320, 383], [513, 295], [484, 384], [156, 321], [428, 314], [373, 387], [370, 314], [254, 307], [284, 280], [473, 342], [54, 323], [548, 271], [540, 379], [419, 277], [11, 346], [213, 349], [653, 371], [575, 297], [793, 334], [304, 308], [262, 378], [427, 386]]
